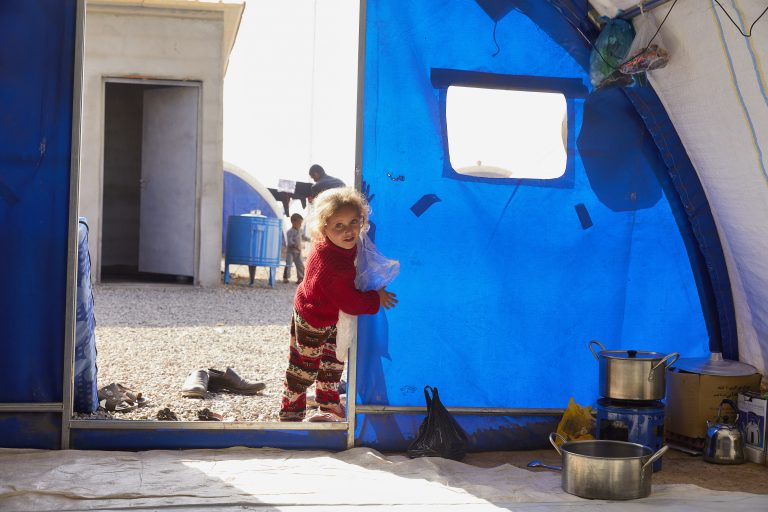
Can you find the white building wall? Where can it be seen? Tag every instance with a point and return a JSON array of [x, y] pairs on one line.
[[164, 44]]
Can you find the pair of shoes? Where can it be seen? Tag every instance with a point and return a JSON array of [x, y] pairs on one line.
[[325, 414], [208, 415], [322, 416], [167, 415], [299, 281], [195, 385], [285, 279], [228, 381]]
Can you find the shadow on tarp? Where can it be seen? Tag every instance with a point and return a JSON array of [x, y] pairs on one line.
[[163, 437], [394, 432]]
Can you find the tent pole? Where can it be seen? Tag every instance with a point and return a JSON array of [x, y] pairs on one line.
[[72, 239], [352, 361], [642, 7]]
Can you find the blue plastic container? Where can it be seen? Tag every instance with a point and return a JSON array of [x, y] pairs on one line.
[[640, 422], [254, 241]]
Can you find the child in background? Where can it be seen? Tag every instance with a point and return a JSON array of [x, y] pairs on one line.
[[294, 240], [338, 216]]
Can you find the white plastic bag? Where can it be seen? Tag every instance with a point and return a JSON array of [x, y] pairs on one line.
[[374, 271], [645, 27], [346, 334]]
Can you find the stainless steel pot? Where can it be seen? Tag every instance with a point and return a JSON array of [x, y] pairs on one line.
[[606, 470], [632, 374]]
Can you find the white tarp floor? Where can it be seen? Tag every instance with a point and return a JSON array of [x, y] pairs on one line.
[[268, 479]]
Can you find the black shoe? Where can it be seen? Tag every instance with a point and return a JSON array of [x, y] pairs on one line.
[[230, 382]]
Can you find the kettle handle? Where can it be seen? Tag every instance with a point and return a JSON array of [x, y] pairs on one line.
[[730, 402], [674, 356], [595, 342]]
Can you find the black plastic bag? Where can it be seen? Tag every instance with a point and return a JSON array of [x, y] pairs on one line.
[[439, 435]]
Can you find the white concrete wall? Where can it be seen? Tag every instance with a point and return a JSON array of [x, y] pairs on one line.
[[163, 44]]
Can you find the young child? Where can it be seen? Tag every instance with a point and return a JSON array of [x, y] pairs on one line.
[[294, 240], [328, 287]]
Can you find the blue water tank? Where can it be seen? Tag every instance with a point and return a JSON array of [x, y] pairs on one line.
[[254, 241]]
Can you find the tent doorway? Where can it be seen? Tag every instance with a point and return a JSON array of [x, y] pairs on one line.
[[149, 197]]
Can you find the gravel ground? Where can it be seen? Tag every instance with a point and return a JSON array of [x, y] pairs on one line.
[[150, 337]]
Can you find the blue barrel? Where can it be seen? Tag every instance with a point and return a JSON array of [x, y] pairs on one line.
[[254, 241]]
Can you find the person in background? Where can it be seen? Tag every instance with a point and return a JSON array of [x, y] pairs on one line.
[[322, 181], [294, 240], [328, 287]]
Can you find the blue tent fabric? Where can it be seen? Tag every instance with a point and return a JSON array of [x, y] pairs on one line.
[[501, 286], [37, 41], [503, 282], [239, 198], [85, 396]]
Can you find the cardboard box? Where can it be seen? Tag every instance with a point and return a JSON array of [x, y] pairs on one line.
[[753, 410], [693, 398]]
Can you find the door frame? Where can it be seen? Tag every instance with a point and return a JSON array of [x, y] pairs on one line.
[[118, 427], [198, 161]]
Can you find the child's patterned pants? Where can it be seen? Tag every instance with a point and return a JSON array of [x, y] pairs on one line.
[[312, 359]]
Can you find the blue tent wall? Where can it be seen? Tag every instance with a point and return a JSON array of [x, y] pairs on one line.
[[37, 45], [239, 198], [502, 285]]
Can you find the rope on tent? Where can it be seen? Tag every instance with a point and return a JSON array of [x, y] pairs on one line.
[[736, 25]]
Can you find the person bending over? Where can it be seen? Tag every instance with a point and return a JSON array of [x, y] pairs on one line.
[[328, 287]]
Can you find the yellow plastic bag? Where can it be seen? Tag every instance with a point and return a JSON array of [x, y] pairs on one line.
[[577, 423]]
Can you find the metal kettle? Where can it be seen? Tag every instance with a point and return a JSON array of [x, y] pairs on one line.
[[724, 443]]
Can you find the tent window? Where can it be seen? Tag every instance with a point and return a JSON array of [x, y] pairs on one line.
[[503, 133]]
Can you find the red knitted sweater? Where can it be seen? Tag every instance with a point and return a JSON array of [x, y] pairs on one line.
[[329, 286]]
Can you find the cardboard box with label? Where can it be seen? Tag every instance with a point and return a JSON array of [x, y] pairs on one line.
[[753, 410], [693, 398]]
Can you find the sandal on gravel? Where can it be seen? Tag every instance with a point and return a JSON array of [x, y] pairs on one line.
[[324, 417], [117, 398], [208, 415], [334, 414], [138, 398], [167, 415], [113, 405]]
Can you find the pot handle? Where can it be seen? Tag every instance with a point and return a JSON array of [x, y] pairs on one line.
[[654, 458], [595, 342], [674, 356], [552, 437]]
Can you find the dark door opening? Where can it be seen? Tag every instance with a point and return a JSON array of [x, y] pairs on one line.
[[149, 191]]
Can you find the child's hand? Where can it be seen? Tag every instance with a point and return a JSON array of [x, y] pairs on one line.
[[386, 299]]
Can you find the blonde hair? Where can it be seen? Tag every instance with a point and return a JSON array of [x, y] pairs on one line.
[[327, 203]]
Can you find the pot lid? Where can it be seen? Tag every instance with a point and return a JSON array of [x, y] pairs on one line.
[[630, 354], [715, 365]]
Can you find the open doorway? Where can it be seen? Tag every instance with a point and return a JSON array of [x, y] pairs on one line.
[[149, 202]]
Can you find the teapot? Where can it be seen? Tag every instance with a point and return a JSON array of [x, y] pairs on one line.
[[724, 443]]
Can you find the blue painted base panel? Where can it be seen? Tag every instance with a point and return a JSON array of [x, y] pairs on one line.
[[394, 432], [30, 430], [169, 438]]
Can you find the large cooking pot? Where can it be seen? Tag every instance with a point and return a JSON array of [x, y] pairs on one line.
[[606, 470], [632, 374]]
